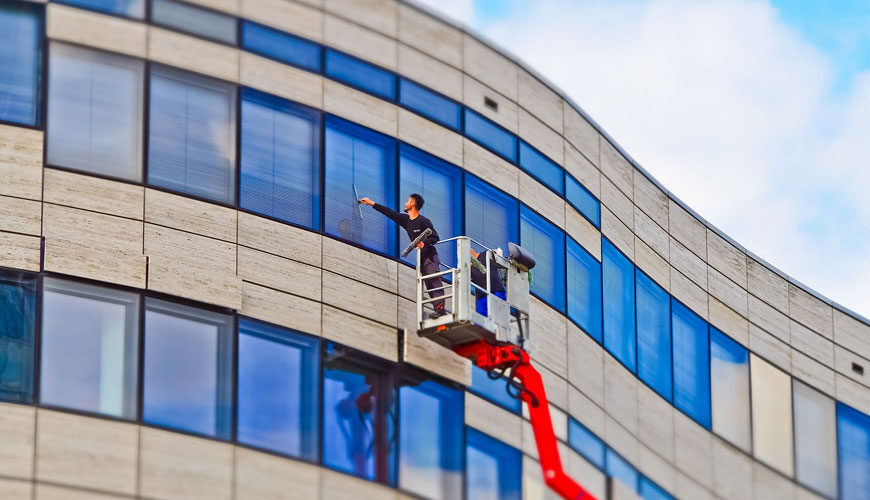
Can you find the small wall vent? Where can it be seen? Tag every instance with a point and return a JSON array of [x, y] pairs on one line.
[[491, 104], [857, 368]]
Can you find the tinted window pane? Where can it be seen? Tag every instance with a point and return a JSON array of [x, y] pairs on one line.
[[653, 335], [815, 435], [650, 491], [192, 135], [440, 184], [90, 345], [430, 104], [17, 331], [541, 167], [95, 112], [280, 165], [188, 368], [285, 47], [546, 243], [771, 415], [584, 289], [691, 363], [194, 20], [490, 215], [586, 443], [493, 390], [430, 443], [131, 8], [359, 163], [490, 135], [278, 388], [20, 58], [360, 74], [621, 470], [582, 200], [493, 469], [729, 374], [618, 276], [853, 436]]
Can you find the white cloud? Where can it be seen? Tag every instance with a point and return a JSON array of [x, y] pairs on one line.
[[730, 109]]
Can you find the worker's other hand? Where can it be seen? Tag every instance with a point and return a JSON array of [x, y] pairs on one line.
[[420, 245], [367, 201]]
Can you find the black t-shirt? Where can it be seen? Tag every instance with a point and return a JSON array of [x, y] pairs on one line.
[[414, 227]]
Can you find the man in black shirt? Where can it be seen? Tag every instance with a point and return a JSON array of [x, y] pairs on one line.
[[414, 224]]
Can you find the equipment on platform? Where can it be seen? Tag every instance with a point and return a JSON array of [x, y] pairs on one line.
[[486, 319]]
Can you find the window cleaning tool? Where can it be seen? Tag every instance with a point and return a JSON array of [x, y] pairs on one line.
[[425, 234]]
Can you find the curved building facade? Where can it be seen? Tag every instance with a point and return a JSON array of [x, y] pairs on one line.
[[193, 305]]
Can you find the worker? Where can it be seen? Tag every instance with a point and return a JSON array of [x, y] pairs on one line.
[[414, 224]]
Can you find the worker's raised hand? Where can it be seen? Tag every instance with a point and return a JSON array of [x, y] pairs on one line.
[[367, 201]]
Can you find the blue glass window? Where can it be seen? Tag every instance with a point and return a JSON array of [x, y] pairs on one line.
[[653, 335], [129, 8], [584, 289], [815, 439], [430, 443], [278, 379], [586, 443], [729, 391], [360, 74], [490, 215], [358, 401], [651, 491], [853, 435], [619, 469], [188, 368], [95, 112], [430, 104], [359, 163], [280, 161], [194, 20], [618, 276], [17, 332], [546, 243], [440, 185], [582, 200], [493, 390], [282, 46], [497, 139], [192, 138], [21, 60], [691, 363], [492, 468], [541, 167], [89, 348]]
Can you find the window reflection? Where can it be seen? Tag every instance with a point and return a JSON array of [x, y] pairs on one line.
[[17, 330], [493, 469]]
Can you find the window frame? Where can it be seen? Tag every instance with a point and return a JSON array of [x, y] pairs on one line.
[[41, 82]]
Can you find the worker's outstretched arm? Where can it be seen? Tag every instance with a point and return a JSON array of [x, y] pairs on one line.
[[400, 219]]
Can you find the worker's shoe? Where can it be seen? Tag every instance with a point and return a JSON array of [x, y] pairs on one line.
[[437, 313]]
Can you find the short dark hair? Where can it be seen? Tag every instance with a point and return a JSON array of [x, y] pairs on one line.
[[418, 201]]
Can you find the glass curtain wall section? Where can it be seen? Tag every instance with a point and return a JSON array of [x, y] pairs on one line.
[[21, 60], [188, 382], [128, 8], [359, 163], [584, 289], [619, 314], [17, 335], [541, 168], [771, 415], [853, 436], [280, 159], [95, 102], [582, 200], [440, 185], [278, 389], [493, 470], [490, 215], [281, 46], [586, 443], [358, 73], [815, 439], [653, 335], [430, 104], [691, 347], [192, 135], [202, 22], [90, 348], [547, 244], [493, 390], [729, 375], [618, 468], [430, 443], [493, 137]]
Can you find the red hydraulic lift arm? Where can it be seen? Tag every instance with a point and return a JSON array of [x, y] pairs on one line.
[[510, 357]]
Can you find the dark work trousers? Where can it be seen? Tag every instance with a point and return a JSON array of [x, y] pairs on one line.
[[432, 265]]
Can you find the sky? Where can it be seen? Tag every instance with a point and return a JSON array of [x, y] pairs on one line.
[[755, 113]]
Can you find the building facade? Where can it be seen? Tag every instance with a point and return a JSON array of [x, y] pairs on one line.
[[192, 304]]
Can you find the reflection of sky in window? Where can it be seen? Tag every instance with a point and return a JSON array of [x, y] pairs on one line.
[[586, 443], [493, 390], [493, 469], [17, 313], [482, 475], [622, 470], [729, 372], [180, 383], [348, 432]]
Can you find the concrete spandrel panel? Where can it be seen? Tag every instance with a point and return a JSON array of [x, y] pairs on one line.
[[19, 251], [428, 355], [851, 333], [651, 200], [378, 15], [21, 162], [617, 232], [175, 466], [280, 239], [585, 364], [18, 215], [361, 265], [814, 373], [769, 485], [281, 80], [617, 202], [582, 169], [732, 471], [337, 486], [817, 347], [617, 168], [193, 54], [430, 35], [687, 229], [768, 318], [261, 475], [86, 452], [430, 137], [810, 311], [360, 333], [96, 30], [767, 285], [728, 292], [655, 422], [16, 489], [192, 216], [92, 193], [620, 393], [769, 347], [542, 200], [475, 95], [579, 228], [490, 67], [17, 431], [542, 137], [693, 450], [728, 321], [292, 17], [651, 233], [361, 42], [651, 263], [585, 411], [689, 264], [359, 298], [547, 341], [431, 72], [491, 168], [539, 100], [689, 293], [360, 107], [281, 308], [279, 273], [493, 420], [726, 258]]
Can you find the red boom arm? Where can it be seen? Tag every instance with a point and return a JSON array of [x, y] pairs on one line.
[[491, 357]]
